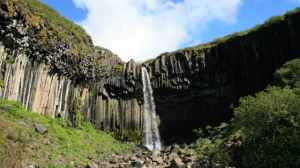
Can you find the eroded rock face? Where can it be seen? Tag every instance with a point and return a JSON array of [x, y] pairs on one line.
[[46, 79], [188, 92]]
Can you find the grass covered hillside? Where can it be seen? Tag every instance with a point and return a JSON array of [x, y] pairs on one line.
[[61, 146], [49, 34], [53, 26]]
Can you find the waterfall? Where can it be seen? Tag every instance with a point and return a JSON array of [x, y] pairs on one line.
[[152, 137]]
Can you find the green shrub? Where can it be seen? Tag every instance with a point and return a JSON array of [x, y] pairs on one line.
[[102, 48], [119, 67], [292, 12], [273, 20], [147, 61], [179, 52], [271, 128], [165, 53], [15, 108], [199, 132], [288, 75], [200, 57], [125, 135], [213, 146], [59, 121]]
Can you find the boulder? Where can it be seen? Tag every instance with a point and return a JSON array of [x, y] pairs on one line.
[[103, 164], [176, 149], [127, 165], [42, 148], [62, 160], [204, 162], [172, 156], [113, 160], [59, 152], [184, 146], [91, 157], [181, 152], [59, 163], [159, 160], [176, 163], [189, 159], [190, 153], [126, 158], [148, 162], [140, 162], [51, 145], [168, 149], [47, 154], [120, 163], [46, 141], [164, 164], [114, 166], [145, 153], [80, 152], [155, 152], [40, 128], [134, 163], [223, 126], [6, 108], [92, 165]]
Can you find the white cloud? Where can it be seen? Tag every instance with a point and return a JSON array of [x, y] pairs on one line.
[[142, 29]]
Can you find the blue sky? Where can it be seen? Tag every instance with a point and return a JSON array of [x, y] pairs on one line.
[[142, 29]]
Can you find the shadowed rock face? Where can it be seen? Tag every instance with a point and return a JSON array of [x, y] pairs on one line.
[[188, 93]]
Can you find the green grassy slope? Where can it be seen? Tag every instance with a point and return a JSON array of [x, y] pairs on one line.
[[17, 128]]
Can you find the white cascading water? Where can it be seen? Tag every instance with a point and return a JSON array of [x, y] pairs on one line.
[[152, 137]]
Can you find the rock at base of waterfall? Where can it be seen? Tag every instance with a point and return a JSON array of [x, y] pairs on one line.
[[176, 163]]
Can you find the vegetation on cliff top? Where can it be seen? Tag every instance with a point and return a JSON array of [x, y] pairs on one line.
[[51, 24], [51, 27], [197, 51], [102, 48], [265, 131], [18, 139]]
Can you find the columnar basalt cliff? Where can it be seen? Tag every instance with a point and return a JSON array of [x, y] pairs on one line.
[[47, 78], [46, 73], [191, 92]]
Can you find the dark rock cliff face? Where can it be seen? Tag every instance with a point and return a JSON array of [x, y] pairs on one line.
[[189, 93]]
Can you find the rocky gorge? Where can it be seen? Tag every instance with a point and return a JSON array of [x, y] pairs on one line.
[[47, 74]]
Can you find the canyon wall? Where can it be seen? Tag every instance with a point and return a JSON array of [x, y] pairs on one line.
[[49, 78], [107, 103], [189, 92]]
